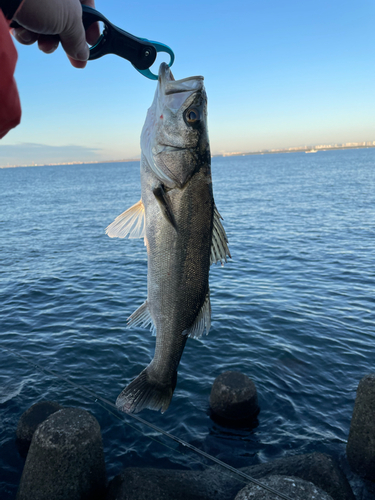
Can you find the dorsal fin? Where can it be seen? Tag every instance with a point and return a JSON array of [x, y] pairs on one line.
[[130, 223], [219, 245]]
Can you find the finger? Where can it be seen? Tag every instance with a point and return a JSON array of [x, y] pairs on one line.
[[73, 38], [77, 64], [93, 31], [25, 36], [89, 3], [48, 43]]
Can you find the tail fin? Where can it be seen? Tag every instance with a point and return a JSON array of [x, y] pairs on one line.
[[145, 392]]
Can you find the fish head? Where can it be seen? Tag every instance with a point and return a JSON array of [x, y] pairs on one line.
[[174, 139]]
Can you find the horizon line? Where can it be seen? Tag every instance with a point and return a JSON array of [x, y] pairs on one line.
[[297, 149]]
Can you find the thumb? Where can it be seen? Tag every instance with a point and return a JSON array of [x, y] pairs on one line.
[[73, 39]]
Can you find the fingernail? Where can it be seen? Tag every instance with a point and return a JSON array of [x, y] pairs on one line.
[[25, 35], [52, 48], [83, 54]]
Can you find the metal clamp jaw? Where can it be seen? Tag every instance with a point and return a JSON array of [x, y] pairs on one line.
[[139, 51]]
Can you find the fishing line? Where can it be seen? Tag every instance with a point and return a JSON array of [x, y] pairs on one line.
[[178, 440]]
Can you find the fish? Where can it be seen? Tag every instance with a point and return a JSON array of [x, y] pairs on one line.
[[182, 231]]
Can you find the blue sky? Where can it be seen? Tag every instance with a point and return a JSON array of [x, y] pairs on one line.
[[277, 74]]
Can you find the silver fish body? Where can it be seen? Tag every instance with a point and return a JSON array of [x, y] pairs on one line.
[[182, 232]]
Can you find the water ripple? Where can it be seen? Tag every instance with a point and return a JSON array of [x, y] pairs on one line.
[[293, 309]]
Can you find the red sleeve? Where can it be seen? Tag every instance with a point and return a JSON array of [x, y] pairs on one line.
[[10, 108]]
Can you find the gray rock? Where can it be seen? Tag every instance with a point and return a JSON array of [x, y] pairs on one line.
[[215, 483], [65, 460], [29, 422], [362, 488], [234, 396], [144, 484], [318, 468], [293, 487], [360, 448]]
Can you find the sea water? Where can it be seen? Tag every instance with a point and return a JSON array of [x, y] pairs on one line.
[[293, 309]]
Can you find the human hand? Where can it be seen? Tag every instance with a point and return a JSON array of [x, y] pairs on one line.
[[52, 21]]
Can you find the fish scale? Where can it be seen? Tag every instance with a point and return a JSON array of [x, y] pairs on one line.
[[182, 231]]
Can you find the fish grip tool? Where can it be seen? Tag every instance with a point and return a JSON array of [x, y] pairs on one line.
[[139, 51]]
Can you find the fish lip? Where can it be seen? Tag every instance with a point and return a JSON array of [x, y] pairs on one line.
[[172, 86], [165, 73]]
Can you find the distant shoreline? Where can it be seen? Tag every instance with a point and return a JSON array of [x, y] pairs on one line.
[[70, 163], [294, 150], [224, 155]]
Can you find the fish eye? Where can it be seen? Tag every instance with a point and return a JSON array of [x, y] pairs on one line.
[[192, 116]]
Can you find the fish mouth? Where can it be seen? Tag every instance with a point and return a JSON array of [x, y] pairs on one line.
[[166, 148], [170, 85]]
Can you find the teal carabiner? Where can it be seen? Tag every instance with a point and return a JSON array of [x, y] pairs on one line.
[[160, 47]]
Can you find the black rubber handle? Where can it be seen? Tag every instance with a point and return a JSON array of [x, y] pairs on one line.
[[141, 53]]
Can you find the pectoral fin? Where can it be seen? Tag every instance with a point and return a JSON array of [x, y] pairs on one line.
[[164, 204], [219, 246], [130, 223]]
